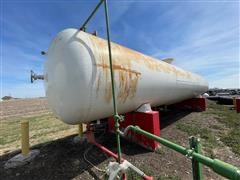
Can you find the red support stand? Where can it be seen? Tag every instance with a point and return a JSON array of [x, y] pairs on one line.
[[196, 104], [148, 121], [238, 105]]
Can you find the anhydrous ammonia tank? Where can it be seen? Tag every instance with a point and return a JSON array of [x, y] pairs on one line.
[[78, 81]]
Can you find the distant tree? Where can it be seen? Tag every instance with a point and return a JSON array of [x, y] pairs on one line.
[[7, 98]]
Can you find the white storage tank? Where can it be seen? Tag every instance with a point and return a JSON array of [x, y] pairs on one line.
[[78, 81]]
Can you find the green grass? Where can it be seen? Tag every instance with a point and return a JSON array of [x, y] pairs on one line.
[[231, 120], [42, 128], [232, 139], [168, 178], [134, 176], [225, 115], [160, 150], [204, 133], [208, 137], [228, 128]]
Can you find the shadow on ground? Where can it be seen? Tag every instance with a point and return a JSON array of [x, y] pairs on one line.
[[63, 159], [170, 116], [59, 159]]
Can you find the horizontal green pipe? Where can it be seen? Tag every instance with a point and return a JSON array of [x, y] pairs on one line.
[[220, 167], [163, 141]]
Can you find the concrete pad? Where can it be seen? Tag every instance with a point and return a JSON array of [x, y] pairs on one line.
[[20, 160], [78, 139]]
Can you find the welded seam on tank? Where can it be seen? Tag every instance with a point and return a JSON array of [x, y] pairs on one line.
[[119, 67]]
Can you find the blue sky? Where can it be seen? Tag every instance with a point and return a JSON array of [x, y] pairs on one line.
[[202, 36]]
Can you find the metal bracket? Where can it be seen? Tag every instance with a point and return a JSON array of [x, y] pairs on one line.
[[34, 76]]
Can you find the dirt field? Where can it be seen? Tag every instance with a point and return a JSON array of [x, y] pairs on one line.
[[23, 107], [60, 158]]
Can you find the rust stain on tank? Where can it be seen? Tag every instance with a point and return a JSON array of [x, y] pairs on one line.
[[127, 82], [128, 56], [127, 85], [108, 92], [118, 67], [122, 59], [98, 84]]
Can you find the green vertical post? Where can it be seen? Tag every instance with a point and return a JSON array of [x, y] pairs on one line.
[[116, 116], [196, 166], [224, 169]]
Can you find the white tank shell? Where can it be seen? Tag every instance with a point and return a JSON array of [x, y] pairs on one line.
[[78, 82]]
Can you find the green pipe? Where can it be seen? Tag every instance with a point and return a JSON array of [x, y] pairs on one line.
[[196, 166], [165, 142], [220, 167], [116, 116], [91, 15]]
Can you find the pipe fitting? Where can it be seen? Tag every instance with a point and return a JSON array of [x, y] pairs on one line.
[[189, 153]]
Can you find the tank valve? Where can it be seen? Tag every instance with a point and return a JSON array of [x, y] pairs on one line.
[[35, 77]]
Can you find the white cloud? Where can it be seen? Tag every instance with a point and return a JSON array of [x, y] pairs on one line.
[[229, 81], [211, 46], [203, 37]]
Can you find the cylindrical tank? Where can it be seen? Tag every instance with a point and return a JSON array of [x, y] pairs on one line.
[[78, 82]]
